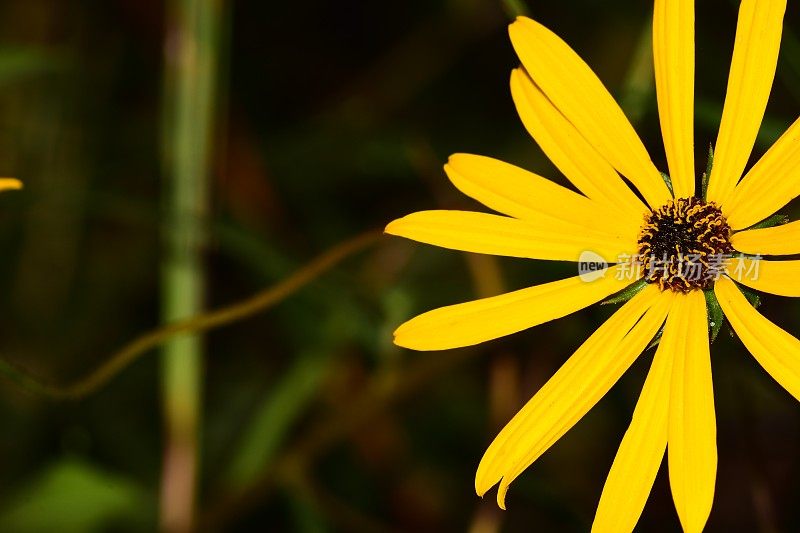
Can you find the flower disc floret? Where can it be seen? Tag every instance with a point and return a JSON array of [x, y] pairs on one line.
[[684, 245]]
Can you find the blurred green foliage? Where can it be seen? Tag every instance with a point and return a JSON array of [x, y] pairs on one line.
[[73, 496], [16, 64]]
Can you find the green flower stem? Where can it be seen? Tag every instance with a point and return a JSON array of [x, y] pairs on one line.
[[192, 44]]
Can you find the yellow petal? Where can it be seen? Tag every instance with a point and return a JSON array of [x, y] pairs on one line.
[[692, 441], [755, 55], [7, 184], [521, 194], [641, 451], [570, 152], [577, 92], [774, 349], [771, 184], [775, 277], [572, 391], [484, 233], [490, 318], [778, 240], [673, 52]]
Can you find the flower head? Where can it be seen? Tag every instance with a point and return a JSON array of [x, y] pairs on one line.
[[692, 237]]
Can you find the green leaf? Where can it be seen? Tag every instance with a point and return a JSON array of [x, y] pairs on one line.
[[668, 181], [752, 296], [707, 173], [75, 496], [657, 339], [626, 294], [771, 222], [715, 315]]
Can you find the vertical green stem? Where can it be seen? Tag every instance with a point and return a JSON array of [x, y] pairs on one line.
[[515, 8], [191, 50]]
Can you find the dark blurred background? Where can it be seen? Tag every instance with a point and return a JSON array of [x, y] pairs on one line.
[[327, 119]]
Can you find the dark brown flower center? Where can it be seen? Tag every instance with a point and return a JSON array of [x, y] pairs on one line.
[[684, 245]]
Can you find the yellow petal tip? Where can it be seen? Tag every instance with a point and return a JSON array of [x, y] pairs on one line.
[[399, 340], [10, 184], [455, 159], [486, 478], [404, 339], [501, 495], [393, 227]]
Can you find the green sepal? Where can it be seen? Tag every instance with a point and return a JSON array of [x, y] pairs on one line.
[[771, 222], [707, 173], [751, 295], [668, 181], [715, 315], [657, 339], [716, 318], [626, 294]]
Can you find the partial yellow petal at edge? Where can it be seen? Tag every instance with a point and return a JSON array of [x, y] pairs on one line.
[[774, 349], [481, 320], [642, 449], [692, 441], [572, 391]]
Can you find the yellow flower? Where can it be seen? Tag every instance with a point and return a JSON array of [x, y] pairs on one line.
[[576, 122]]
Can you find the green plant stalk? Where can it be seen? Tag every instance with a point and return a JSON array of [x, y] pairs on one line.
[[191, 51], [516, 8]]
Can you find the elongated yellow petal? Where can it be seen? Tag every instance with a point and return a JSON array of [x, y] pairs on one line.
[[572, 391], [778, 240], [10, 184], [755, 55], [577, 92], [521, 194], [484, 233], [692, 441], [642, 450], [771, 184], [673, 53], [478, 321], [775, 277], [570, 152], [774, 349]]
